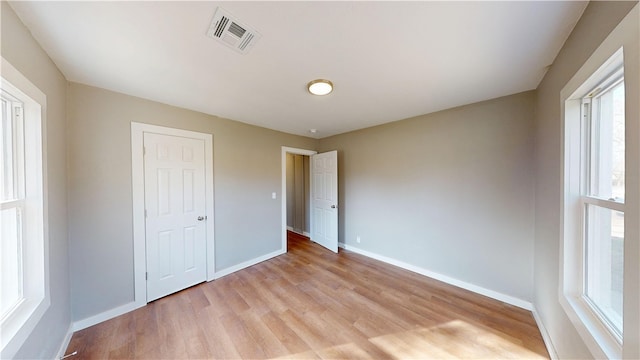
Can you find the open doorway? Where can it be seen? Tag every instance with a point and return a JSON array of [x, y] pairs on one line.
[[296, 188], [298, 194], [323, 204]]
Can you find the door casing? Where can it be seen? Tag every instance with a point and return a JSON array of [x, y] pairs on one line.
[[137, 182]]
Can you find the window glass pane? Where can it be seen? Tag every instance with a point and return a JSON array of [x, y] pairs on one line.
[[11, 266], [604, 263], [607, 164]]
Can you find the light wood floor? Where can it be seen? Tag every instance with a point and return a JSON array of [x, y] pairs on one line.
[[311, 303]]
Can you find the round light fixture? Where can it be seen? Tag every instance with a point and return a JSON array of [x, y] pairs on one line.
[[320, 87]]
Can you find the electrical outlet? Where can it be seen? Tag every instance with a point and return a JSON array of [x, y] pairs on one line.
[[358, 239]]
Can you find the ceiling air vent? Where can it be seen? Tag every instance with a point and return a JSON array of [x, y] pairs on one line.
[[231, 32]]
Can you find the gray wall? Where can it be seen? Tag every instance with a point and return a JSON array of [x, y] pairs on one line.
[[307, 193], [24, 53], [596, 23], [291, 195], [450, 192], [246, 169]]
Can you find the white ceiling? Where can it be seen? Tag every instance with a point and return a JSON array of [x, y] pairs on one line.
[[388, 60]]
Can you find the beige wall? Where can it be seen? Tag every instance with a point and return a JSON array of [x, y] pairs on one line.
[[24, 53], [246, 169], [596, 23], [449, 192]]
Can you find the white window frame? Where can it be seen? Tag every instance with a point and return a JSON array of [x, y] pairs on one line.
[[590, 108], [21, 321], [597, 334]]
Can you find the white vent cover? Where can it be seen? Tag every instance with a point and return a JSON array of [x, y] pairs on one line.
[[231, 32]]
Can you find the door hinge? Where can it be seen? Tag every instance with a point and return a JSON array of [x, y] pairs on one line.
[[146, 276], [145, 212], [144, 150]]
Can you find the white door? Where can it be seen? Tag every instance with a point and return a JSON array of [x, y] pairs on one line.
[[324, 199], [174, 191]]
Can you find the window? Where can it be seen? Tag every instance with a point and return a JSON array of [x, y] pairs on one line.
[[12, 202], [594, 207], [603, 198], [24, 293]]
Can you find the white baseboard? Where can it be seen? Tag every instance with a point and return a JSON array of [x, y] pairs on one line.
[[65, 342], [104, 316], [446, 279], [247, 263], [303, 233], [545, 335]]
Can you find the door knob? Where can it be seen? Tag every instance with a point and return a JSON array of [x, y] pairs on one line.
[[333, 206], [200, 218]]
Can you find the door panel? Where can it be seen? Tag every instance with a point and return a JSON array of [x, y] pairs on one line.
[[165, 263], [174, 199], [190, 249], [324, 168], [188, 181]]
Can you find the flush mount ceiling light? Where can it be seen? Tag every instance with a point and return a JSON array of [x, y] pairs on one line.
[[320, 87]]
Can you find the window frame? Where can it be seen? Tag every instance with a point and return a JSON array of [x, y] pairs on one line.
[[22, 320], [601, 339], [17, 201], [590, 152]]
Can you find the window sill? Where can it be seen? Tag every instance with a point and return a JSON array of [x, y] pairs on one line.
[[17, 327], [597, 337]]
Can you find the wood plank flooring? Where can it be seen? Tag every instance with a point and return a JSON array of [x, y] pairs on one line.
[[314, 304]]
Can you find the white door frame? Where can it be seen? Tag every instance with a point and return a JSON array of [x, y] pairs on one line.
[[294, 151], [137, 183]]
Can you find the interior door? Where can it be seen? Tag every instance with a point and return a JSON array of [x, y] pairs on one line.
[[174, 177], [324, 199]]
